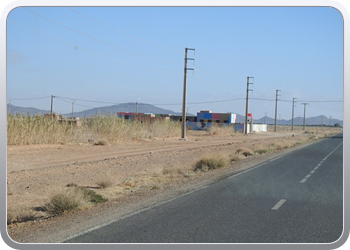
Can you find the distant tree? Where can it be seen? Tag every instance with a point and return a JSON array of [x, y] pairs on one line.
[[337, 125]]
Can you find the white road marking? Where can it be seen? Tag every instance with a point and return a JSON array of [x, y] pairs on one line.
[[279, 204], [276, 158], [318, 165]]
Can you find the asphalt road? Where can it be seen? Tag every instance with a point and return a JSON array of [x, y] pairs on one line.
[[295, 198]]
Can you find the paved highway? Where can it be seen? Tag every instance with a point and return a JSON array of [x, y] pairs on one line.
[[295, 198]]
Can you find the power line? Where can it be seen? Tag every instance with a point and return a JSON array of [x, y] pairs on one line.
[[214, 67], [91, 52], [211, 75], [22, 99], [261, 99], [123, 33], [98, 40]]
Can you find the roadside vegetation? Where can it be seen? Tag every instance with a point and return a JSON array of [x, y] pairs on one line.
[[101, 130], [75, 197]]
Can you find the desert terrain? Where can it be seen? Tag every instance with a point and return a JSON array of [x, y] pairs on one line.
[[131, 176]]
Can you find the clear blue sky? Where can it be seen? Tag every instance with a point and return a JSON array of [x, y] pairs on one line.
[[120, 54]]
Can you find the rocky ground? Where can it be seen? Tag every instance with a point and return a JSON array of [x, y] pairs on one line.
[[139, 175]]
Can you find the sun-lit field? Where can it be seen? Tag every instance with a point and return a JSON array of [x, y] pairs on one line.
[[27, 130]]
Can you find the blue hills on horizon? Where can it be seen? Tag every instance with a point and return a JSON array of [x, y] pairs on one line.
[[148, 108]]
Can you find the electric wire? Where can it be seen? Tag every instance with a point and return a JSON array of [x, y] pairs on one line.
[[21, 99], [123, 33], [98, 40], [91, 52]]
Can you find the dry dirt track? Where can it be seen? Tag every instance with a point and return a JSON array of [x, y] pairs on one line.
[[35, 172], [41, 156]]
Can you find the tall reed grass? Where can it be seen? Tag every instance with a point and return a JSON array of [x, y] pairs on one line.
[[26, 130]]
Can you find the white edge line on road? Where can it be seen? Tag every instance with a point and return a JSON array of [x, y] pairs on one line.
[[279, 204]]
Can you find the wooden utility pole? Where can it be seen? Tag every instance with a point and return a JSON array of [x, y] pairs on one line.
[[246, 107], [293, 115], [73, 110], [183, 125], [276, 109], [52, 104], [137, 106]]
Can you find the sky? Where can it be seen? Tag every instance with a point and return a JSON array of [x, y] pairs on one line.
[[100, 56]]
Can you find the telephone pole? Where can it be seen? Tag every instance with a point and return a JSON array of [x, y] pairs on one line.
[[330, 121], [52, 104], [246, 107], [137, 106], [304, 113], [293, 115], [183, 125], [276, 108], [73, 110], [265, 118]]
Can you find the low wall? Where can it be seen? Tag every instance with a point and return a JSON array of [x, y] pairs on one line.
[[237, 127]]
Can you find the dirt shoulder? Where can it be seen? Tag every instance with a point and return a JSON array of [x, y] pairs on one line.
[[141, 174]]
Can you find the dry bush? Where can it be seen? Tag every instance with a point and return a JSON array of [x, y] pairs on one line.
[[129, 182], [176, 173], [104, 184], [261, 151], [72, 199], [236, 157], [23, 216], [245, 151], [210, 163], [67, 200]]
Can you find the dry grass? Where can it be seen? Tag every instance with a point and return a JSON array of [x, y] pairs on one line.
[[216, 130], [72, 199], [25, 130], [158, 176], [210, 163], [104, 184], [23, 216]]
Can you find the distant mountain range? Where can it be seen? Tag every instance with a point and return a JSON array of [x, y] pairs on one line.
[[148, 108]]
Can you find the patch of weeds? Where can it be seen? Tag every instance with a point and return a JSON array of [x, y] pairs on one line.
[[72, 199], [104, 184], [212, 163], [101, 143], [261, 151], [92, 196], [245, 151], [67, 200], [72, 185], [155, 187]]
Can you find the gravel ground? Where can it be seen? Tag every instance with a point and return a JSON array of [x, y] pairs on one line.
[[141, 174]]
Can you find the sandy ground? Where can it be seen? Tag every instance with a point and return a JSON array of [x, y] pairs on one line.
[[140, 174]]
